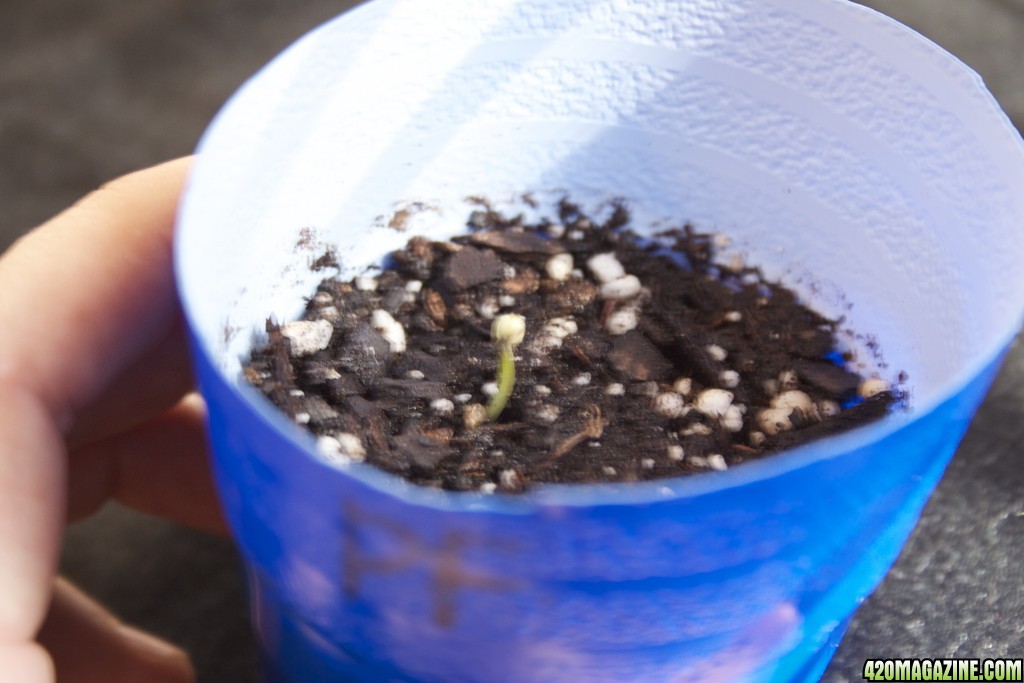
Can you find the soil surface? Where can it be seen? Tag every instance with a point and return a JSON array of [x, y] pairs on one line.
[[642, 359]]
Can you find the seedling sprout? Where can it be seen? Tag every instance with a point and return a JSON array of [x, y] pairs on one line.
[[507, 331]]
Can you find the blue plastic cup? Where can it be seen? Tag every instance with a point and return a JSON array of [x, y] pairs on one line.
[[850, 157]]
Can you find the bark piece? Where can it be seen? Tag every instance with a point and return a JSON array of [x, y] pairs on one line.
[[636, 358], [827, 377], [516, 242], [470, 267]]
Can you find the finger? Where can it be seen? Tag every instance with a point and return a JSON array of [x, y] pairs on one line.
[[89, 645], [161, 468], [91, 289], [31, 511], [82, 297], [142, 390], [26, 663]]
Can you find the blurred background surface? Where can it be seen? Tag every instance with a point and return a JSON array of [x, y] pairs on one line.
[[92, 90]]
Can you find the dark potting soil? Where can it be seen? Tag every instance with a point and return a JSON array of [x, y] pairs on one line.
[[642, 359]]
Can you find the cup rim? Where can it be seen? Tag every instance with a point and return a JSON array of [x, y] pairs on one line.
[[623, 493]]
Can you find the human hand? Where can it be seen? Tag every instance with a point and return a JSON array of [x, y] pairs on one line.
[[95, 404]]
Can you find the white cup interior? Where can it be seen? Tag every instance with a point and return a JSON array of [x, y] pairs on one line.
[[846, 155]]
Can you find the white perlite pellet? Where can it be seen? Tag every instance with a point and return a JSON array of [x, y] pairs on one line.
[[463, 398], [390, 329], [341, 448], [713, 402], [675, 452], [365, 283], [560, 328], [308, 336], [489, 389], [582, 379], [609, 471], [303, 418], [352, 445], [296, 392], [683, 386], [625, 287], [757, 439], [559, 267], [670, 404], [716, 352], [647, 463], [543, 344], [508, 479], [415, 374], [774, 420], [442, 406], [556, 230], [488, 308], [605, 267], [730, 379], [717, 462], [733, 317], [732, 420], [615, 389], [507, 300], [622, 321], [329, 447], [871, 387], [488, 487], [698, 428], [793, 400], [541, 390], [547, 413], [414, 286]]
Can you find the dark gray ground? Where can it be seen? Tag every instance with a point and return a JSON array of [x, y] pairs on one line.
[[89, 90]]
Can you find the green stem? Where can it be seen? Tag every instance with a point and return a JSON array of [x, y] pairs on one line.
[[506, 379]]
